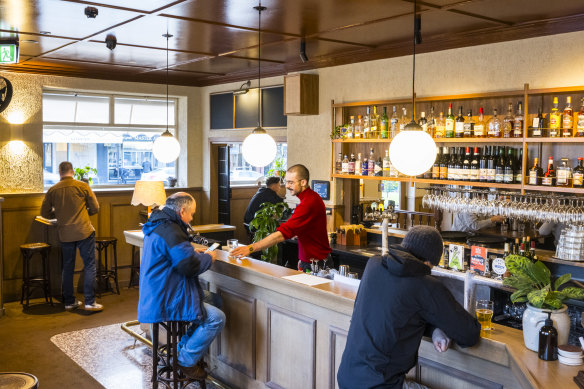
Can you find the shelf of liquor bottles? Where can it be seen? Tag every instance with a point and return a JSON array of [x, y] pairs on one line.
[[559, 189], [430, 181]]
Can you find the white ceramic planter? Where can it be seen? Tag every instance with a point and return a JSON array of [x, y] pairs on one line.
[[533, 320]]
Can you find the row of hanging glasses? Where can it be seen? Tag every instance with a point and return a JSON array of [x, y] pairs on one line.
[[530, 207]]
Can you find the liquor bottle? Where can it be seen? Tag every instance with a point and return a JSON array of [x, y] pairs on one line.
[[365, 167], [378, 170], [431, 122], [465, 171], [491, 171], [375, 118], [578, 174], [359, 127], [474, 165], [564, 174], [494, 126], [394, 124], [508, 122], [449, 123], [500, 166], [509, 171], [468, 126], [555, 120], [358, 165], [371, 164], [483, 177], [367, 124], [452, 174], [440, 128], [580, 124], [535, 173], [568, 119], [423, 122], [479, 126], [518, 122], [519, 167], [345, 165], [352, 164], [351, 127], [339, 164], [532, 250], [384, 124], [459, 125], [538, 125], [404, 119], [549, 177], [386, 164], [436, 165]]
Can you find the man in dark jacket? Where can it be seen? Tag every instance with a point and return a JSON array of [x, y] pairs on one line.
[[169, 282], [269, 194], [397, 303]]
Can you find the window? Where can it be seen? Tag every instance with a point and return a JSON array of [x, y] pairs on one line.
[[242, 173], [113, 134]]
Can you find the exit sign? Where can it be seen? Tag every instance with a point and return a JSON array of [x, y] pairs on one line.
[[8, 53]]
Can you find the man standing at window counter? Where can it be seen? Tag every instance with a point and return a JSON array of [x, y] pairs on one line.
[[308, 223], [169, 281], [397, 303], [71, 202], [270, 194]]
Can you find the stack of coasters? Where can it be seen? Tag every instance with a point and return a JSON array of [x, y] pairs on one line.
[[570, 355]]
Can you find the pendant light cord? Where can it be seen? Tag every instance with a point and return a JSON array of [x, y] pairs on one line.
[[167, 36], [414, 68], [260, 9]]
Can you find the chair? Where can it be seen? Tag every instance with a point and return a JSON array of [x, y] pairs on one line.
[[165, 368], [104, 272], [43, 280]]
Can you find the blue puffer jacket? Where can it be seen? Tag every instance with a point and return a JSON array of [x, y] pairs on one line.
[[169, 283]]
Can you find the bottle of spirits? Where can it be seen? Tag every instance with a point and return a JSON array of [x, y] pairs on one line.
[[479, 126], [449, 123], [436, 166], [500, 166], [564, 174], [538, 125], [384, 124], [366, 124], [578, 174], [509, 172], [444, 163], [459, 125], [386, 164], [345, 165], [365, 167], [555, 120], [519, 167], [451, 164], [535, 173], [371, 164], [378, 167], [359, 127], [440, 128], [339, 164], [483, 177], [465, 172], [404, 119], [580, 124], [532, 250], [351, 128], [474, 165], [508, 122], [358, 165], [394, 124], [518, 122], [423, 122], [468, 126], [568, 119], [494, 126], [431, 123], [491, 171], [352, 164], [549, 177]]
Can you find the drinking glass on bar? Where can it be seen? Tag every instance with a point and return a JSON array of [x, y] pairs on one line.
[[484, 311], [231, 244]]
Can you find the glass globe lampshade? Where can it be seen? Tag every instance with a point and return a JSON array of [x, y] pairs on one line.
[[259, 148], [166, 148], [412, 152]]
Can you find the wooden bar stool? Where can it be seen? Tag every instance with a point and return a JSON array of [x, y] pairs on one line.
[[104, 272], [43, 280], [165, 368]]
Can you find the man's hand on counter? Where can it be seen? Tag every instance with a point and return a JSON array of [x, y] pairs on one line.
[[441, 340], [242, 251]]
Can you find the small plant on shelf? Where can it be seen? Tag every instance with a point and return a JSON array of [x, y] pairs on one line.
[[265, 222], [82, 174], [279, 169]]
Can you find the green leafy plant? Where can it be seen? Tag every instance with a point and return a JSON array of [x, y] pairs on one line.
[[265, 222], [82, 173], [533, 284], [279, 168]]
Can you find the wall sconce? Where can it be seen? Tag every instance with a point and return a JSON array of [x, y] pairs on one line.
[[243, 89], [16, 143]]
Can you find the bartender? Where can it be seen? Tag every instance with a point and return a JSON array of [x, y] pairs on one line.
[[469, 222], [308, 223]]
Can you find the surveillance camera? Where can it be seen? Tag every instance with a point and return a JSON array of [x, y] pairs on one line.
[[91, 12], [111, 41]]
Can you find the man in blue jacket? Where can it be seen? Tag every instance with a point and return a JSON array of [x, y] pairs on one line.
[[397, 303], [169, 282]]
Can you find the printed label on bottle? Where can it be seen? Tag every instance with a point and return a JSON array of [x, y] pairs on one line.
[[491, 174], [563, 175], [580, 124], [351, 167], [568, 123], [508, 178], [468, 129], [536, 132], [535, 122], [499, 176], [483, 174], [440, 132], [435, 172], [345, 167], [546, 181], [518, 177], [459, 128], [378, 169], [386, 164], [532, 178], [578, 179], [553, 132], [518, 132], [474, 174], [478, 130], [444, 173], [357, 168], [449, 126]]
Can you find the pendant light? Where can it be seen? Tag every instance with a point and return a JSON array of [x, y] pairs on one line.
[[413, 151], [166, 148], [259, 148]]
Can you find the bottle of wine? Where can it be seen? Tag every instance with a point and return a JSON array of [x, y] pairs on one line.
[[459, 125], [465, 173], [580, 124], [468, 126], [452, 173], [444, 163], [519, 167], [386, 164], [491, 171], [366, 124], [436, 166], [423, 122], [538, 125], [474, 165], [483, 176], [508, 121], [384, 124], [509, 171], [518, 122], [549, 177], [535, 173], [494, 126], [345, 165], [578, 174], [479, 126], [500, 166], [568, 119], [555, 120], [339, 164], [440, 127], [449, 123], [352, 164], [393, 124]]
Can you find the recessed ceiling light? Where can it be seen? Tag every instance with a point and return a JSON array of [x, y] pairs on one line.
[[28, 41]]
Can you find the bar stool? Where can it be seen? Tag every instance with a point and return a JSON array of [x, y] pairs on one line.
[[104, 272], [164, 361], [43, 280]]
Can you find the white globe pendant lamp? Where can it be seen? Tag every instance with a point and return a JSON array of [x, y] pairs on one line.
[[259, 148], [166, 147], [413, 151]]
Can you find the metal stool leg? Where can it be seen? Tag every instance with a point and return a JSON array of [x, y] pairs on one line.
[[115, 267], [155, 355]]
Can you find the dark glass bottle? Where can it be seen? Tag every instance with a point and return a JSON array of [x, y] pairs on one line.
[[535, 173], [578, 174], [465, 176], [483, 177], [548, 341], [538, 125], [444, 163], [474, 165], [459, 125], [549, 177], [509, 172], [500, 166], [452, 174], [519, 167], [435, 175], [491, 171]]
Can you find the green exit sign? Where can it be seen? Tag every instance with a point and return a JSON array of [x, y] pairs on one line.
[[8, 53]]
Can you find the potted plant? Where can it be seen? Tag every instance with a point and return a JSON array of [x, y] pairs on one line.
[[82, 174], [264, 223], [533, 284], [279, 169]]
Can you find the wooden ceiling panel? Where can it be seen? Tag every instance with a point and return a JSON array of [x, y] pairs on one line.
[[220, 65], [139, 5], [30, 49]]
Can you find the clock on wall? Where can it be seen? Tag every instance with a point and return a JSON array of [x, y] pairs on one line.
[[5, 93]]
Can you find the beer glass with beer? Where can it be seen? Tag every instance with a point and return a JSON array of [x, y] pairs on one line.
[[484, 310]]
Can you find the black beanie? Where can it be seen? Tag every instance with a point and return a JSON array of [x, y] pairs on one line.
[[425, 243]]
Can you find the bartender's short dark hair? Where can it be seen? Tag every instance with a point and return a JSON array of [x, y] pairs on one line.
[[65, 167], [301, 172], [272, 180], [178, 201]]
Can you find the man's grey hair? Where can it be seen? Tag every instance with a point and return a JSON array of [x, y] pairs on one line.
[[178, 201]]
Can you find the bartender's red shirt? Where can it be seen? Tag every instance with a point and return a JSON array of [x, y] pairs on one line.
[[308, 223]]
